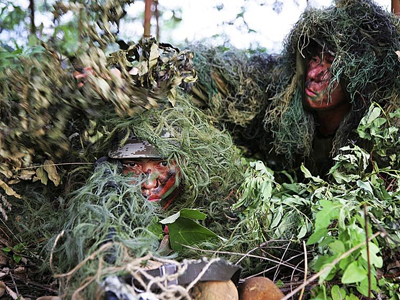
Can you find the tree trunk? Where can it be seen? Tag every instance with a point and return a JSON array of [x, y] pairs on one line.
[[147, 18], [157, 15], [32, 12], [396, 7]]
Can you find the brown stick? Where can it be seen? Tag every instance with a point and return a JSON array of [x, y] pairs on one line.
[[32, 11], [396, 7], [147, 18]]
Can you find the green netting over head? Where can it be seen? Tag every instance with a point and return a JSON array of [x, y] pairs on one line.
[[364, 39], [208, 160], [233, 87]]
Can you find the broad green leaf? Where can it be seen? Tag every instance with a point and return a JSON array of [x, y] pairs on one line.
[[187, 232], [327, 274], [317, 235], [17, 258], [376, 260], [41, 175], [337, 247], [307, 174], [337, 293], [372, 115], [328, 212], [193, 214], [363, 287], [277, 217], [354, 273], [302, 232], [187, 213]]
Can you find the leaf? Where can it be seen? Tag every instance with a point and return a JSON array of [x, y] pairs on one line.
[[366, 186], [337, 247], [9, 191], [51, 170], [26, 174], [328, 212], [307, 174], [354, 273], [186, 213], [376, 260], [338, 293], [17, 258], [185, 231], [41, 175], [154, 54], [317, 235], [193, 214], [375, 113]]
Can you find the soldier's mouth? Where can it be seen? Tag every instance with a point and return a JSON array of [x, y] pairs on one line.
[[154, 198], [310, 93]]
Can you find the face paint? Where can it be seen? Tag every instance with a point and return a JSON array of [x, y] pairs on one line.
[[317, 95], [161, 177]]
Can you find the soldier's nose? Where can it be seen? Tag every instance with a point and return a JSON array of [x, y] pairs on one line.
[[150, 181]]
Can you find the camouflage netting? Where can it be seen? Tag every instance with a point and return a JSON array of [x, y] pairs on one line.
[[365, 39], [233, 88]]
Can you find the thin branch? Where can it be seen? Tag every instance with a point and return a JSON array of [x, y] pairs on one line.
[[305, 269], [32, 12], [368, 253]]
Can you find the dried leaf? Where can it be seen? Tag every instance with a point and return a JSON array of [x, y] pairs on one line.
[[51, 170], [9, 191], [27, 174]]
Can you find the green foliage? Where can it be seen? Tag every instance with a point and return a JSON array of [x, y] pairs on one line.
[[183, 230], [360, 199], [270, 210], [15, 251], [11, 15], [341, 227]]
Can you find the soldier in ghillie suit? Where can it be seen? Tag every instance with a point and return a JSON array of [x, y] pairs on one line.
[[335, 63], [120, 205]]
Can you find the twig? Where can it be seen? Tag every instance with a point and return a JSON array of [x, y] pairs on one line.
[[331, 265], [206, 267], [52, 250], [15, 285], [283, 255], [90, 257], [368, 253], [305, 269], [55, 165], [239, 254]]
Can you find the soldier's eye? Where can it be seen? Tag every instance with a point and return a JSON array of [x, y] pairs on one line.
[[164, 163], [130, 165]]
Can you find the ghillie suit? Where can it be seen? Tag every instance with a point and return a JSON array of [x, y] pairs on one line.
[[233, 89], [110, 207], [364, 39], [52, 131]]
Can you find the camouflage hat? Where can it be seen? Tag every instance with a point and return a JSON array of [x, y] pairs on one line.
[[134, 148]]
